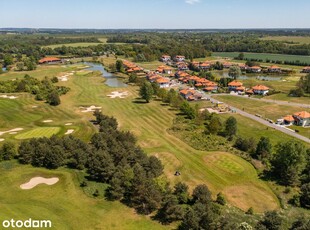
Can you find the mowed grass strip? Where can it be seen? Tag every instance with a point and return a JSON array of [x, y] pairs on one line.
[[39, 132]]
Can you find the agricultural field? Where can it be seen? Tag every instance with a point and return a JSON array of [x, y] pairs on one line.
[[264, 56], [290, 39], [81, 44]]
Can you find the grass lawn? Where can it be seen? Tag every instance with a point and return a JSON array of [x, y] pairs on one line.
[[295, 39], [267, 110], [64, 203], [39, 132], [264, 56], [285, 97]]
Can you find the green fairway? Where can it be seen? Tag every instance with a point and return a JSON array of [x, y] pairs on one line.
[[264, 56], [64, 203], [39, 132]]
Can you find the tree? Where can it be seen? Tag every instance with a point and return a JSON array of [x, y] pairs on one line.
[[214, 125], [187, 110], [170, 210], [244, 226], [234, 72], [7, 60], [304, 84], [230, 127], [220, 199], [201, 194], [20, 66], [263, 148], [146, 91], [289, 162], [305, 195], [245, 144], [181, 192], [8, 151], [190, 221], [53, 98], [301, 224], [240, 56], [119, 66], [271, 221]]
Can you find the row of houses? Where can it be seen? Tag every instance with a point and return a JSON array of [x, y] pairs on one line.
[[306, 69], [177, 58], [163, 82], [238, 87], [131, 67], [299, 118]]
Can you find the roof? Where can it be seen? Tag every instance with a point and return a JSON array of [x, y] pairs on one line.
[[288, 118], [180, 56], [255, 67], [209, 88], [303, 114], [235, 83], [274, 67], [307, 67], [48, 59], [165, 56], [162, 80], [186, 91], [241, 88], [260, 87]]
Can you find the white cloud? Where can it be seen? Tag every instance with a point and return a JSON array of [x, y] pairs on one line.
[[192, 2]]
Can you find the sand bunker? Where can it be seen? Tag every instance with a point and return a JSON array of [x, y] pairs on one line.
[[89, 109], [65, 77], [34, 106], [116, 94], [68, 124], [39, 180], [11, 131], [48, 121], [9, 97], [69, 131], [1, 139]]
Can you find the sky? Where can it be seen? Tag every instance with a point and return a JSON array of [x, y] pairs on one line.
[[155, 14]]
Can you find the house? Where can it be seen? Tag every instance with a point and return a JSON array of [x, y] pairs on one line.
[[227, 64], [49, 60], [164, 69], [232, 86], [288, 120], [306, 69], [179, 58], [165, 58], [182, 66], [187, 94], [163, 82], [302, 118], [243, 66], [274, 69], [260, 89], [210, 87], [254, 69], [204, 66]]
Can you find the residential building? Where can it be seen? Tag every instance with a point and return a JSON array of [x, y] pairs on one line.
[[254, 69], [274, 69], [49, 60], [306, 69], [260, 89], [165, 58], [302, 118], [232, 86], [179, 58]]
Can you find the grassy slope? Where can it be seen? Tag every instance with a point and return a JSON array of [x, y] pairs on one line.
[[64, 203]]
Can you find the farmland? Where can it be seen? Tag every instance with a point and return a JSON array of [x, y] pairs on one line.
[[290, 39], [264, 56]]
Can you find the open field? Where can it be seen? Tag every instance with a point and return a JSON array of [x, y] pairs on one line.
[[285, 97], [295, 39], [264, 56], [268, 110], [81, 44], [39, 132], [64, 202]]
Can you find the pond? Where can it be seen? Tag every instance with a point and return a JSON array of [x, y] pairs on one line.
[[111, 79], [258, 76]]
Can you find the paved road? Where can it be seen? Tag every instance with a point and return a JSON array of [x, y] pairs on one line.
[[264, 122], [272, 101]]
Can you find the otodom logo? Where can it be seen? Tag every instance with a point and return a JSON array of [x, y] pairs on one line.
[[30, 223]]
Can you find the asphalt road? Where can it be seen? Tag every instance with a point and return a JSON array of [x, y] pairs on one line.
[[264, 122]]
